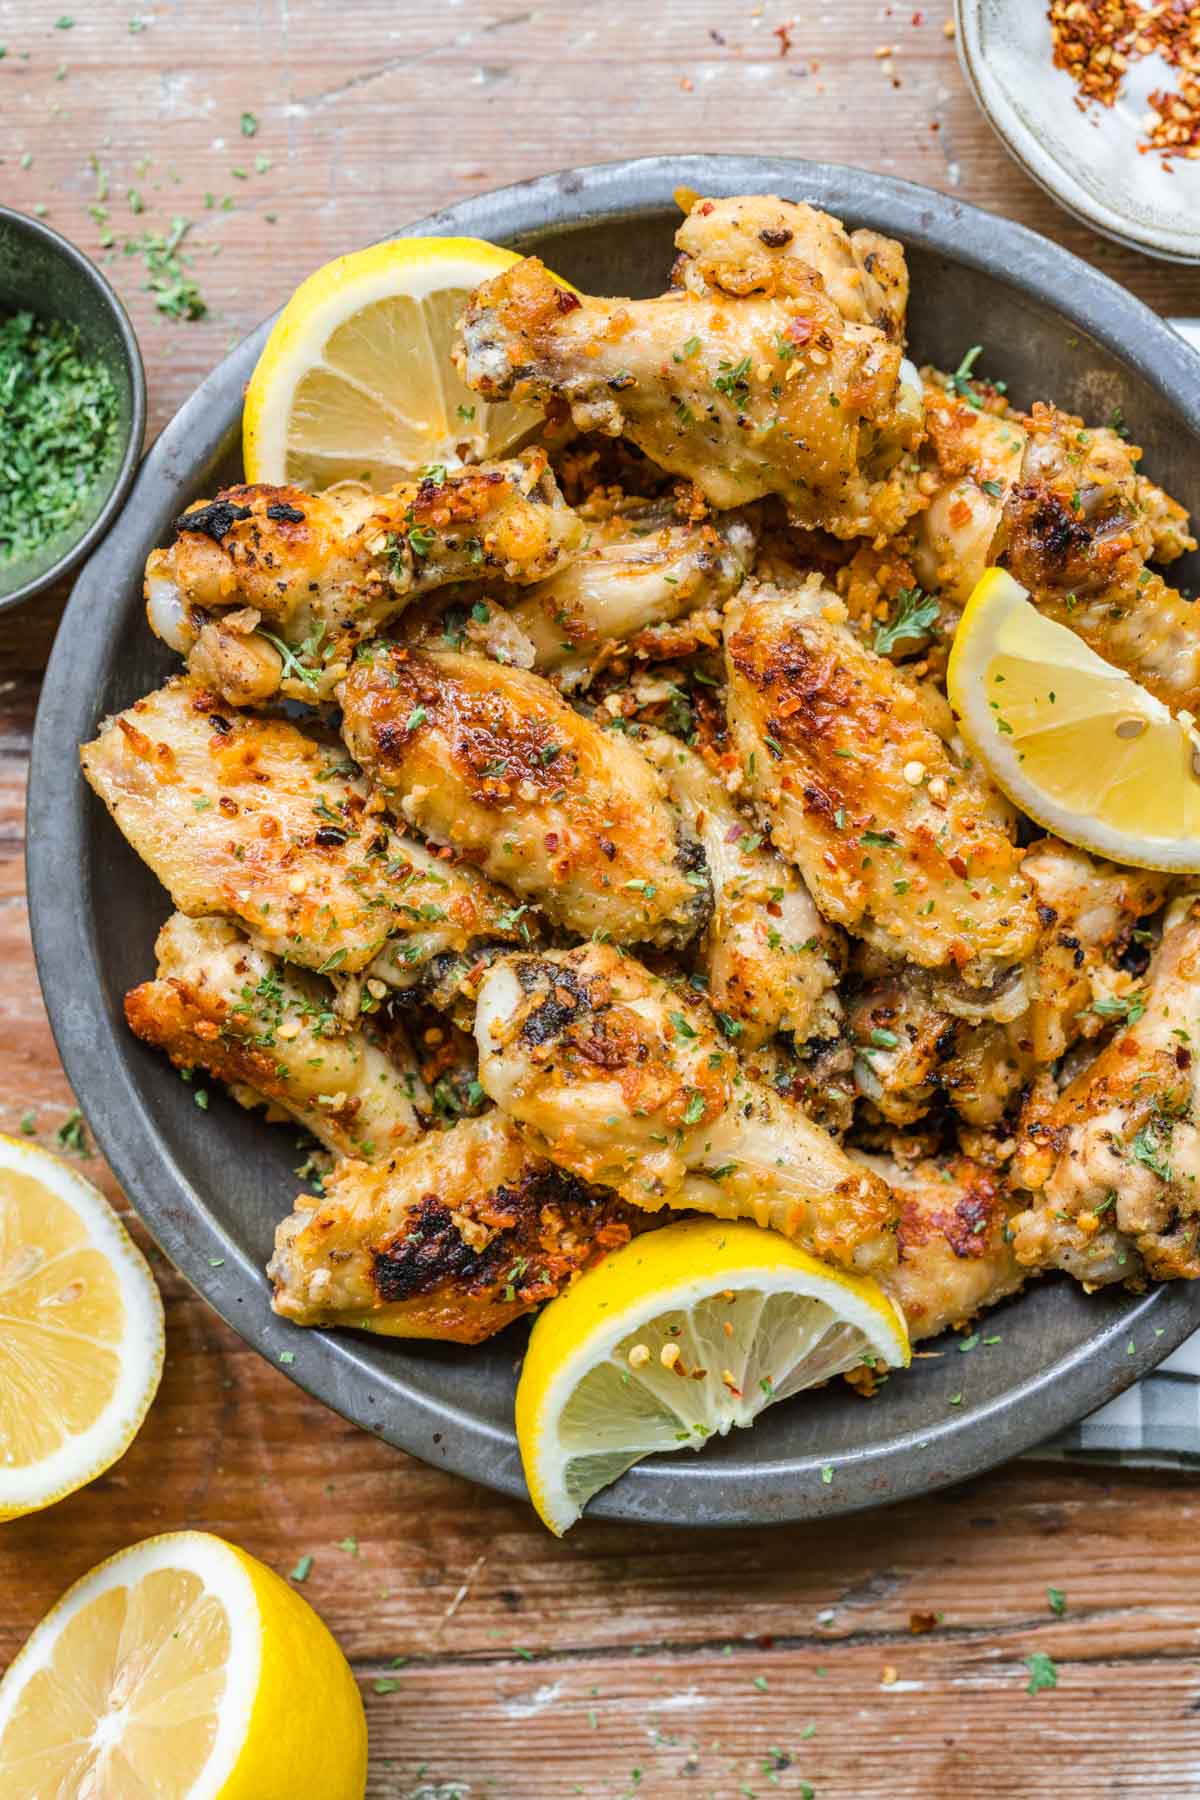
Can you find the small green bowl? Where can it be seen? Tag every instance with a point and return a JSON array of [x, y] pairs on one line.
[[42, 273]]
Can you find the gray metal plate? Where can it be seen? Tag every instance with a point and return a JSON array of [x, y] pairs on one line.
[[212, 1185]]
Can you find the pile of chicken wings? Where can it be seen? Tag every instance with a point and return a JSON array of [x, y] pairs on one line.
[[577, 838]]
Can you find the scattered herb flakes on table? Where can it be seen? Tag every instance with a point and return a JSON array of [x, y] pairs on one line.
[[59, 417]]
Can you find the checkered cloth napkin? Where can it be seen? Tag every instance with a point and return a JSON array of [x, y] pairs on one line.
[[1156, 1422]]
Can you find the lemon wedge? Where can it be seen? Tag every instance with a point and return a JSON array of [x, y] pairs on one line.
[[184, 1669], [1074, 742], [356, 383], [678, 1336], [81, 1332]]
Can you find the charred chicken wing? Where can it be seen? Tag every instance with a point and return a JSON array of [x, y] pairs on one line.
[[624, 1082]]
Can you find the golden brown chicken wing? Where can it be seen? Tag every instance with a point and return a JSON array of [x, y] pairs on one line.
[[452, 1238], [641, 567], [896, 841], [272, 1034], [745, 396], [910, 1045], [772, 962], [1113, 1164], [953, 1252], [492, 762], [625, 1082], [269, 590], [760, 244], [1062, 505], [257, 820]]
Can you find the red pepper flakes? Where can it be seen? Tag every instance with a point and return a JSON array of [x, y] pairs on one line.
[[1096, 40]]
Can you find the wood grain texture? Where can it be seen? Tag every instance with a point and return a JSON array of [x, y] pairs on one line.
[[619, 1663]]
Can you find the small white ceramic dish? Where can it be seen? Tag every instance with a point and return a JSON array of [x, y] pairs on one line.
[[1087, 161]]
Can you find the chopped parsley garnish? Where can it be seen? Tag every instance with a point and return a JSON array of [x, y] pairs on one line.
[[72, 1133], [294, 668], [914, 614], [1148, 1148], [59, 429], [695, 1109], [1128, 1007], [1042, 1672], [733, 379], [961, 380]]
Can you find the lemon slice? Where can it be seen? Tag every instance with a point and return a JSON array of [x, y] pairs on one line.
[[676, 1337], [182, 1669], [1074, 742], [81, 1331], [356, 383]]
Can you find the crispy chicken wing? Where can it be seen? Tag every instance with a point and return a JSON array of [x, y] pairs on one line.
[[909, 1050], [1077, 534], [272, 1035], [977, 456], [452, 1238], [744, 396], [269, 590], [641, 567], [896, 841], [910, 1046], [1063, 507], [772, 962], [953, 1252], [493, 762], [1113, 1164], [257, 820], [1088, 909], [623, 1081], [760, 244]]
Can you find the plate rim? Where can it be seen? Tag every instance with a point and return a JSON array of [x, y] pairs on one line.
[[330, 1366]]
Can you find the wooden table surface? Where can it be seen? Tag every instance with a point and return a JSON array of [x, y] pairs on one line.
[[493, 1660]]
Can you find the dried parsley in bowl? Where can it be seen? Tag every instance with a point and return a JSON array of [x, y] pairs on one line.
[[59, 432]]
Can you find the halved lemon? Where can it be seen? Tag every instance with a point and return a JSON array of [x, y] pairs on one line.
[[1074, 742], [677, 1337], [356, 383], [184, 1669], [81, 1331]]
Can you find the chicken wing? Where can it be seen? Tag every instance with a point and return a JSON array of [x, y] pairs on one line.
[[760, 244], [1089, 910], [624, 1082], [1063, 507], [641, 567], [452, 1238], [909, 1050], [910, 1046], [272, 1035], [257, 820], [743, 396], [977, 456], [896, 841], [771, 961], [493, 762], [270, 590], [953, 1252], [1076, 533], [1113, 1164]]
